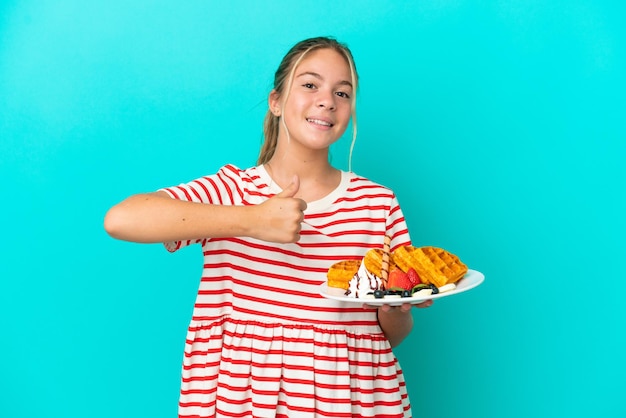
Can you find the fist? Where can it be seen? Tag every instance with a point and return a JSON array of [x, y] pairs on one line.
[[280, 217]]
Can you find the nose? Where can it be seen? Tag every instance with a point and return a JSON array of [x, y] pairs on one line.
[[326, 100]]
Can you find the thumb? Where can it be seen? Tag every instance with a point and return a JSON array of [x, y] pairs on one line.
[[292, 189]]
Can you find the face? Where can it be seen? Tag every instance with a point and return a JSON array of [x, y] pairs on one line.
[[318, 108]]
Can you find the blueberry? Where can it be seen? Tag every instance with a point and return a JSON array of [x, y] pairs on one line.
[[379, 294], [435, 289], [406, 293]]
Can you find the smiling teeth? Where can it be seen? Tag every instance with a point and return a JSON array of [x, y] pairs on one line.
[[319, 122]]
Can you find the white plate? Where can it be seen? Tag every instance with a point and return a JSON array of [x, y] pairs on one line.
[[471, 279]]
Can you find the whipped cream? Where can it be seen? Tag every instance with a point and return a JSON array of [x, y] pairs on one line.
[[363, 283]]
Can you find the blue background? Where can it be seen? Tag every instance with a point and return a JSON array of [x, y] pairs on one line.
[[499, 124]]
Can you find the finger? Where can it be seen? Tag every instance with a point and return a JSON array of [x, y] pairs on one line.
[[404, 308], [368, 306], [292, 189], [425, 304], [303, 206]]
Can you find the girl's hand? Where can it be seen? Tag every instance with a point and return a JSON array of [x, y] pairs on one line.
[[279, 219], [405, 307], [396, 322]]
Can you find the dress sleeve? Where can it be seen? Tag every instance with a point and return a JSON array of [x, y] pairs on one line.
[[222, 188], [396, 226]]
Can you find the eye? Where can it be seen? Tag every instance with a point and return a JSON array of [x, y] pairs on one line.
[[343, 94], [308, 85]]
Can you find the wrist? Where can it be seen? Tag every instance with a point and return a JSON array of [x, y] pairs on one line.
[[248, 221]]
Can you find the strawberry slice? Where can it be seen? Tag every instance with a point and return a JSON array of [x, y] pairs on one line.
[[398, 280], [414, 278]]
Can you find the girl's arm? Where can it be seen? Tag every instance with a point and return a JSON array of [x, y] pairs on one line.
[[397, 322], [156, 217]]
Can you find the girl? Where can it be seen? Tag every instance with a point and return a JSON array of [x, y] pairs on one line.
[[262, 342]]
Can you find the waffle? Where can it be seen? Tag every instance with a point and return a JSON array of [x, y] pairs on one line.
[[434, 265], [339, 274], [373, 261]]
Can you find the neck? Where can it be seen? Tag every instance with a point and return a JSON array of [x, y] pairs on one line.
[[317, 177], [286, 166]]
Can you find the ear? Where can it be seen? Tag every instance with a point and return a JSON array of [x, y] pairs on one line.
[[274, 103]]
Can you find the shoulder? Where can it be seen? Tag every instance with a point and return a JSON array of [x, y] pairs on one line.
[[230, 173], [231, 170], [248, 186], [229, 185], [361, 184]]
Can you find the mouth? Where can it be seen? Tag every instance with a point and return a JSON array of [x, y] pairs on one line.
[[320, 122]]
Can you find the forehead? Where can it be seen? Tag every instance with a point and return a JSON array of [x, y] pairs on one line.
[[327, 63]]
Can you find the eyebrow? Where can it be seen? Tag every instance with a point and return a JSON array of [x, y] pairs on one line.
[[316, 75]]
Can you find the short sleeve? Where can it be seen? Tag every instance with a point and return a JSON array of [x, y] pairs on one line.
[[226, 187], [396, 226]]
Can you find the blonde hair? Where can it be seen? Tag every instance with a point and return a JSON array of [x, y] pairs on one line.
[[283, 78]]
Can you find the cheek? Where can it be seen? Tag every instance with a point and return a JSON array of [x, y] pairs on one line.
[[346, 115]]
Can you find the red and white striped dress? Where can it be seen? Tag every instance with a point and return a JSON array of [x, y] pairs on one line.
[[262, 341]]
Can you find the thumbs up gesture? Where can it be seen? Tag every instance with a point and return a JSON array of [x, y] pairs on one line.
[[279, 219]]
